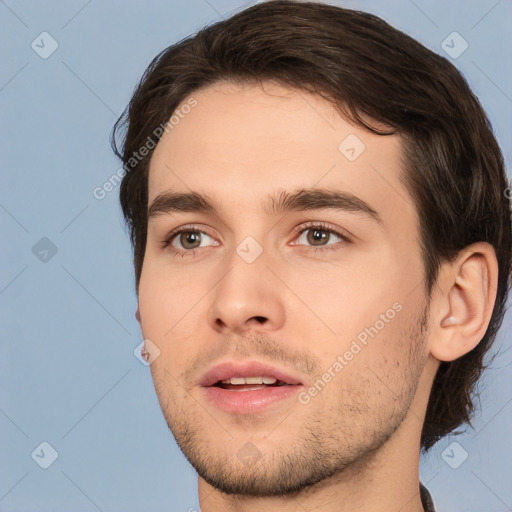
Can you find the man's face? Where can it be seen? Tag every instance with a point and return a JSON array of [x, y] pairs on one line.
[[333, 298]]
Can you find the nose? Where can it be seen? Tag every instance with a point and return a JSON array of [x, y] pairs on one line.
[[248, 297]]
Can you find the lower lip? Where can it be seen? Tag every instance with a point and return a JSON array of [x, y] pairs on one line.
[[248, 402]]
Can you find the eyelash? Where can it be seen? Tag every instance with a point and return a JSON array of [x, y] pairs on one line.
[[321, 226]]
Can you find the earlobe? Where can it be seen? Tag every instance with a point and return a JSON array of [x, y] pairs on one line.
[[465, 299]]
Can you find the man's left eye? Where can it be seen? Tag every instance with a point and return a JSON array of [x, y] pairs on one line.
[[319, 237]]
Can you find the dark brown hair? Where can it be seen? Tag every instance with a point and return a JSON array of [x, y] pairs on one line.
[[376, 76]]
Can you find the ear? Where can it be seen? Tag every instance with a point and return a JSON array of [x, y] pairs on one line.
[[463, 301], [137, 314]]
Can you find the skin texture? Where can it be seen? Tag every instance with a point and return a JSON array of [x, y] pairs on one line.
[[355, 445]]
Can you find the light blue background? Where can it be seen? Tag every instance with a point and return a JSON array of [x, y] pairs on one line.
[[68, 374]]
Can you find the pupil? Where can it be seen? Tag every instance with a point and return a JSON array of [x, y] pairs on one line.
[[190, 239], [317, 235]]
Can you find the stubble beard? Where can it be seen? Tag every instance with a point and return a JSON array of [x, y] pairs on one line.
[[333, 438]]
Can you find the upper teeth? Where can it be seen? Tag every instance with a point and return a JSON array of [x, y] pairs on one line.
[[250, 380]]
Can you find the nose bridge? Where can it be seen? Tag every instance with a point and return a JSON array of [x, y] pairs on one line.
[[246, 295]]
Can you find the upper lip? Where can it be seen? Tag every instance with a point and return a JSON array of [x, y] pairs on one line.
[[231, 369]]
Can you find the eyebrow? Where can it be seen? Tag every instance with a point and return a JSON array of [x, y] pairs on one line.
[[281, 202]]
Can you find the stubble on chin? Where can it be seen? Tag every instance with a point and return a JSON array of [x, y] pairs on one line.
[[338, 432]]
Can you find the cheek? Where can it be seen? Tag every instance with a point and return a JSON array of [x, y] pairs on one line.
[[376, 371], [166, 298], [172, 314], [345, 299], [151, 307]]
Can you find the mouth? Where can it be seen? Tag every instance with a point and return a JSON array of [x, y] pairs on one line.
[[249, 383], [247, 388]]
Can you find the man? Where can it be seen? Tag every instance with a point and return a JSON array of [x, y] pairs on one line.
[[322, 245]]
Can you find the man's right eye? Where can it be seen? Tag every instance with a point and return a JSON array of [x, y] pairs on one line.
[[186, 240]]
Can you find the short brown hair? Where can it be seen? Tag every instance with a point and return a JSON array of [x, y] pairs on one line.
[[453, 167]]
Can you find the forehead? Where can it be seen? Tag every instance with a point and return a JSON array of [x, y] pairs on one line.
[[242, 143]]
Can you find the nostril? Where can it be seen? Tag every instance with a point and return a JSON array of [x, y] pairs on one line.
[[260, 319]]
